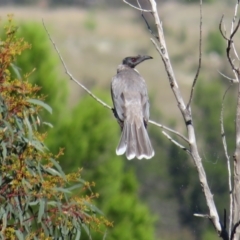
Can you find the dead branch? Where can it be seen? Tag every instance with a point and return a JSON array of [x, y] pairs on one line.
[[230, 43], [187, 116], [140, 9], [235, 202], [176, 143], [231, 80], [70, 75], [169, 129]]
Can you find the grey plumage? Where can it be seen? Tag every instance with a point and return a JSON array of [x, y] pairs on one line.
[[131, 108]]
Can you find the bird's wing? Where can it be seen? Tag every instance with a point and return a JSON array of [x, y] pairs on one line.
[[120, 83], [118, 97], [144, 99]]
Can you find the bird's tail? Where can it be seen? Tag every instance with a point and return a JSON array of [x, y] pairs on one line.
[[135, 141]]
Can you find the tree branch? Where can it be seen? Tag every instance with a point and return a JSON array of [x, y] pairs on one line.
[[140, 9], [70, 75], [169, 129], [176, 143], [187, 116]]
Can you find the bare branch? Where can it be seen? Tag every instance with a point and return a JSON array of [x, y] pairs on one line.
[[70, 75], [140, 9], [228, 161], [176, 143], [187, 116], [231, 80], [169, 129], [220, 29], [201, 215], [234, 17], [234, 230], [199, 59], [230, 42]]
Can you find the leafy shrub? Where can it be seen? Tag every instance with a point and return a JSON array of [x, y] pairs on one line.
[[36, 199]]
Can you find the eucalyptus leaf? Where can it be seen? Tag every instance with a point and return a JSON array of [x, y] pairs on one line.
[[19, 235], [58, 167], [40, 103], [41, 210], [48, 124]]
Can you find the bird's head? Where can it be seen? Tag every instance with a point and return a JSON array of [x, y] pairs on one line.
[[132, 62]]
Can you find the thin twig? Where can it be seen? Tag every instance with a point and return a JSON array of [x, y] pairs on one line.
[[140, 9], [176, 143], [199, 59], [234, 230], [234, 17], [146, 22], [230, 42], [231, 80], [232, 28], [70, 75], [228, 160], [220, 29], [169, 129], [201, 215]]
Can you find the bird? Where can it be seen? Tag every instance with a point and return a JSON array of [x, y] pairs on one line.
[[131, 108]]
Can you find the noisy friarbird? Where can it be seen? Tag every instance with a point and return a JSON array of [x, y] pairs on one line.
[[131, 108]]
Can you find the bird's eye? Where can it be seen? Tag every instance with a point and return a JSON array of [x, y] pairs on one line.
[[133, 59]]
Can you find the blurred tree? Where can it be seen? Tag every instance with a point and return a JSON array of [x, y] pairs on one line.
[[36, 196]]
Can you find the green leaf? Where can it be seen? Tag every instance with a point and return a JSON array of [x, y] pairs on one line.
[[40, 103], [16, 70], [29, 127], [52, 171], [78, 185], [78, 234], [41, 210], [58, 167], [19, 235], [64, 190], [4, 150], [48, 124]]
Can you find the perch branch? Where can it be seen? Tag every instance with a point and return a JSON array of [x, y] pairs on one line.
[[70, 75]]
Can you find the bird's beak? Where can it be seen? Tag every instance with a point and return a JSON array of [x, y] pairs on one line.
[[146, 57], [142, 58]]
